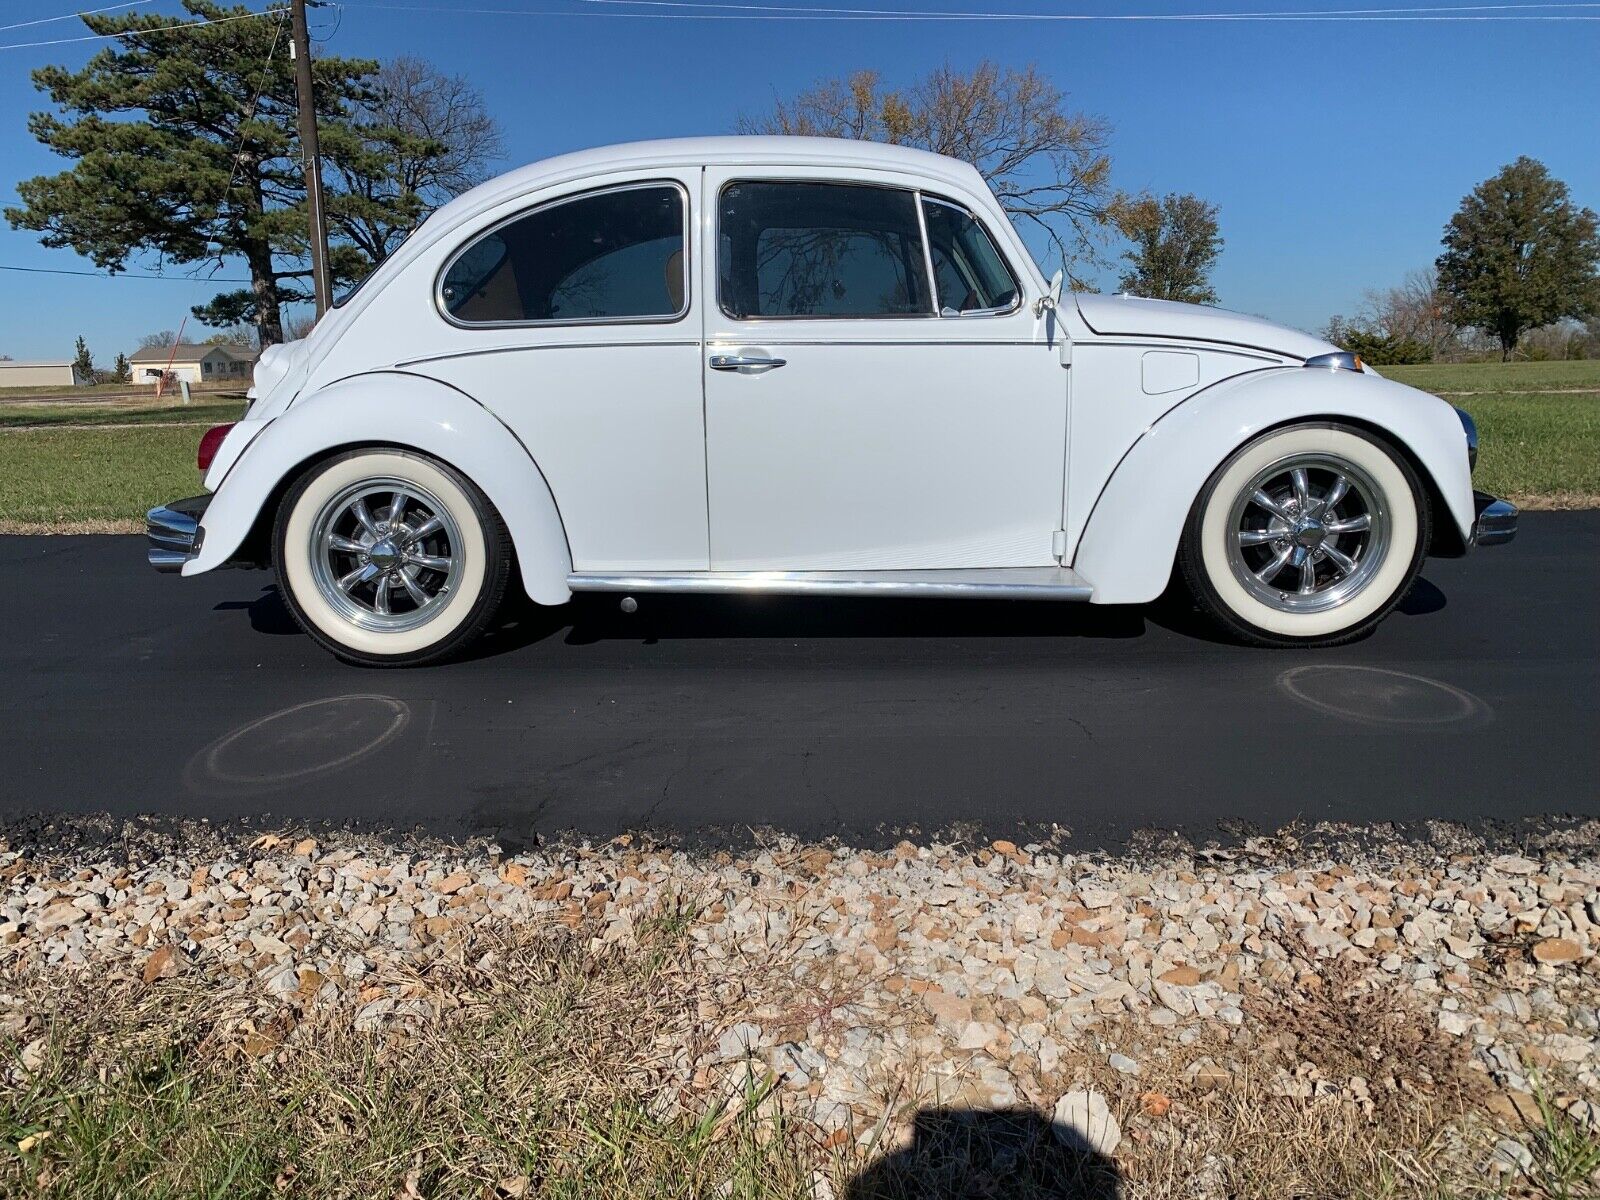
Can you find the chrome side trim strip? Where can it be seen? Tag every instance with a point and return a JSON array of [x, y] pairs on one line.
[[998, 583], [446, 355]]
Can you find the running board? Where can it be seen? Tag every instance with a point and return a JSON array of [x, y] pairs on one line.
[[993, 583]]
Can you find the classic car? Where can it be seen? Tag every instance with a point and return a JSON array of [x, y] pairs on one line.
[[804, 366]]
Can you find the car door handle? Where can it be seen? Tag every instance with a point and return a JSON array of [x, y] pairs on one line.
[[734, 362]]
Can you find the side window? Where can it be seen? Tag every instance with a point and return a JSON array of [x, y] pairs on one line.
[[968, 270], [609, 256], [820, 250]]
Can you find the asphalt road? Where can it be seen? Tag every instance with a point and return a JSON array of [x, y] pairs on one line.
[[131, 692]]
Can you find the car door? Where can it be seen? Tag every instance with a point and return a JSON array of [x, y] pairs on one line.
[[861, 415]]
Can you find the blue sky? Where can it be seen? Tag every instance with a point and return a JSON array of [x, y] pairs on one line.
[[1336, 151]]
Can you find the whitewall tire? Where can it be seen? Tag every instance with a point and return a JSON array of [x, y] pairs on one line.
[[1308, 535], [390, 558]]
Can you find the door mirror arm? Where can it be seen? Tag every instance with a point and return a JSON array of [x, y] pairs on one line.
[[1051, 298]]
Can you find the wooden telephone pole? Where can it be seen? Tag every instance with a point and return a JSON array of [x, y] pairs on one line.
[[300, 48]]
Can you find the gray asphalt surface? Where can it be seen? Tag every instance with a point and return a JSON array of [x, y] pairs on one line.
[[135, 693]]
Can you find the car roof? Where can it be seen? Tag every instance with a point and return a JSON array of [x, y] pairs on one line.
[[734, 150]]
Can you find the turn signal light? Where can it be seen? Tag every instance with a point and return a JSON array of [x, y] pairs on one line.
[[210, 441]]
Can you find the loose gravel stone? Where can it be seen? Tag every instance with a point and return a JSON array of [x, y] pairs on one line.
[[988, 977]]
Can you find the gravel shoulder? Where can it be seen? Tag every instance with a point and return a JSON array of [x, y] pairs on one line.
[[1276, 1016]]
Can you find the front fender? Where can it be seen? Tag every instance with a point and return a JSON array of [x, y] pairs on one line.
[[393, 408], [1131, 537]]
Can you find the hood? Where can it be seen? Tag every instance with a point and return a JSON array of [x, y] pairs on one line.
[[1133, 316]]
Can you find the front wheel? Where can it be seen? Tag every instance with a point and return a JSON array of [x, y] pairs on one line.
[[390, 558], [1308, 535]]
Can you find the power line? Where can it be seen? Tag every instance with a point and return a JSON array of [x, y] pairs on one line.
[[101, 37], [73, 16], [125, 275], [779, 12]]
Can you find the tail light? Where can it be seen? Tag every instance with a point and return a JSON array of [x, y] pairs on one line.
[[210, 442]]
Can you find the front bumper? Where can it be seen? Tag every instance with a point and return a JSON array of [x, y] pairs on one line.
[[1495, 521], [174, 532]]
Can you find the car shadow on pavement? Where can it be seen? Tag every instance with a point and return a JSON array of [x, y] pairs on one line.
[[1017, 1154], [664, 618]]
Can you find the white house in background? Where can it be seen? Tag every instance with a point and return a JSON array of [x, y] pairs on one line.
[[210, 363], [56, 373]]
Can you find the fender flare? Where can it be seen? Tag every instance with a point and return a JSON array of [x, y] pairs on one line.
[[396, 408], [1130, 539]]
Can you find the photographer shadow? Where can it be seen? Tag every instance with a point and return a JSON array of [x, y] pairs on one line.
[[965, 1154]]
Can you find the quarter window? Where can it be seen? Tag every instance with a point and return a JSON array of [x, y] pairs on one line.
[[609, 256], [968, 270], [820, 250]]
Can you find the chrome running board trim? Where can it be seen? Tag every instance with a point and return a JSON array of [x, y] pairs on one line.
[[995, 583]]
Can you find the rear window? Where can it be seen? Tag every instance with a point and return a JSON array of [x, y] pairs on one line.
[[607, 256]]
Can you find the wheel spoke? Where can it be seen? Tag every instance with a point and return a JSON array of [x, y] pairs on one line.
[[433, 562], [1339, 559], [360, 575], [1269, 572], [344, 545], [1261, 500], [431, 526], [1308, 575], [413, 590], [1302, 489], [1353, 525], [1335, 493], [358, 509], [380, 596], [1259, 537], [397, 508]]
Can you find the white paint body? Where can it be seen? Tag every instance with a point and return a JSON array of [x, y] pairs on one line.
[[1076, 438]]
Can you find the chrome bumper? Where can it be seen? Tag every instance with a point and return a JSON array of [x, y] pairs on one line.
[[174, 532], [1495, 522]]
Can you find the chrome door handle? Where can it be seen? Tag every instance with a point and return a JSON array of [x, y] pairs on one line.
[[733, 362]]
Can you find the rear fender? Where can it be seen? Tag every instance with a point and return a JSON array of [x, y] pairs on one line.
[[1131, 538], [393, 408]]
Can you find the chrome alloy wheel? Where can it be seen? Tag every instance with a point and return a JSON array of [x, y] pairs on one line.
[[385, 554], [1308, 533]]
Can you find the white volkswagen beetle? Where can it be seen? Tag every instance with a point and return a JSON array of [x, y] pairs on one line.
[[804, 366]]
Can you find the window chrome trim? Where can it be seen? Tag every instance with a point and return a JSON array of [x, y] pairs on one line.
[[1011, 271], [716, 248], [569, 198]]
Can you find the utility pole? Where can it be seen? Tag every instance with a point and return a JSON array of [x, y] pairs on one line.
[[300, 49]]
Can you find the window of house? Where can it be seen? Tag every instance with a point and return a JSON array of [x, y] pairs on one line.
[[608, 256], [793, 249], [968, 270]]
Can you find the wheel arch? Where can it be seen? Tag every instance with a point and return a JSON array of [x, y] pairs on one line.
[[397, 410], [1150, 493]]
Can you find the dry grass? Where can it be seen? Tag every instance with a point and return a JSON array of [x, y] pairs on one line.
[[533, 1067]]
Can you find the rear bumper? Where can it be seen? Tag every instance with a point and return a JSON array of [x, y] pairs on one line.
[[1495, 522], [174, 532]]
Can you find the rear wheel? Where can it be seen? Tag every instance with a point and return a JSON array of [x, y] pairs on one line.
[[389, 558], [1307, 536]]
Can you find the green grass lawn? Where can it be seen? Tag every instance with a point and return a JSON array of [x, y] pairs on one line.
[[1527, 377], [92, 480], [1538, 425], [210, 411]]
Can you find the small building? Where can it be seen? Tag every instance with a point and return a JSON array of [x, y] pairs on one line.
[[56, 373], [213, 362]]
